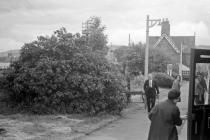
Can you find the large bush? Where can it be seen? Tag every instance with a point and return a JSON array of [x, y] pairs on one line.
[[163, 80], [61, 74]]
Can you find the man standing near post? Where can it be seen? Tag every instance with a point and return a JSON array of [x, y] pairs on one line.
[[151, 91]]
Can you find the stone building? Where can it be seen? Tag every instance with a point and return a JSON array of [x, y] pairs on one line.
[[171, 45]]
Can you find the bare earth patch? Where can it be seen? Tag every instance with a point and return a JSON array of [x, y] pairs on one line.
[[34, 127], [45, 127]]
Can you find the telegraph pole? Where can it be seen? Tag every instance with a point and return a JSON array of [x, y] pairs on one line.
[[180, 65], [149, 24], [146, 65]]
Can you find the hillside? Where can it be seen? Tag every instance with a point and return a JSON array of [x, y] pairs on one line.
[[5, 53]]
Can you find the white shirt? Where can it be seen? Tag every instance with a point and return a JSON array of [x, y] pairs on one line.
[[150, 83]]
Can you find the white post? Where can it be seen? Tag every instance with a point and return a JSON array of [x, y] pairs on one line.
[[153, 22], [129, 41], [180, 65], [146, 64]]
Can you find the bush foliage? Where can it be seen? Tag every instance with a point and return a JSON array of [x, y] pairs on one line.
[[131, 59], [163, 80], [62, 74]]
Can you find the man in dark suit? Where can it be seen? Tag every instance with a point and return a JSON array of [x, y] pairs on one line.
[[151, 91], [204, 88], [164, 117]]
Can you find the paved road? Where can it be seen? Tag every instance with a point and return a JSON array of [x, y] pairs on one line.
[[135, 125]]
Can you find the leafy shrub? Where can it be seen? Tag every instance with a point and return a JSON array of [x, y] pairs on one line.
[[61, 74], [163, 80]]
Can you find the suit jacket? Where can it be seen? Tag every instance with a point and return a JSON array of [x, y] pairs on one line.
[[164, 118], [151, 90]]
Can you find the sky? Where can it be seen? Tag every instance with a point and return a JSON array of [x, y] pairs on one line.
[[21, 21]]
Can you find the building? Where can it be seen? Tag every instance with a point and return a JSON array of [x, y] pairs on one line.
[[4, 65], [172, 45]]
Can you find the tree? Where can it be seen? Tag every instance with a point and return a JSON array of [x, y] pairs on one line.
[[60, 73], [131, 58], [97, 40]]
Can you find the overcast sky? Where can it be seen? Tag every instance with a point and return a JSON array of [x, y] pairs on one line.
[[21, 21]]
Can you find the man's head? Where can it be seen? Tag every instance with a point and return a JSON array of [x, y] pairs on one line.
[[198, 78], [178, 77], [174, 95], [201, 77], [150, 76]]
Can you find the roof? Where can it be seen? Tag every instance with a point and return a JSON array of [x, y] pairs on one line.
[[203, 46], [188, 42]]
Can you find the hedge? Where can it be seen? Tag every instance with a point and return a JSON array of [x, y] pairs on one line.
[[163, 80]]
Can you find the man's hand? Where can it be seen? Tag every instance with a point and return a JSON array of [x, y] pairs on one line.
[[184, 117]]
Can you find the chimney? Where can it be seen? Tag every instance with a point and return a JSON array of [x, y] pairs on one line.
[[165, 27]]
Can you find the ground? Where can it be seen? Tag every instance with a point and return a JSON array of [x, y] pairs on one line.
[[133, 124], [53, 127]]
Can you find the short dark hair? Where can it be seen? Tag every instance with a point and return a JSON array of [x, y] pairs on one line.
[[173, 94]]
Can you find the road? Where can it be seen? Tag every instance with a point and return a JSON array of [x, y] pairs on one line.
[[135, 125]]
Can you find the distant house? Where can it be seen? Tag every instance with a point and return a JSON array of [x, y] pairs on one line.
[[4, 65], [171, 45], [203, 46]]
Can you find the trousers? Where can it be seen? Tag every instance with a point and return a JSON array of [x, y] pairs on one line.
[[150, 100]]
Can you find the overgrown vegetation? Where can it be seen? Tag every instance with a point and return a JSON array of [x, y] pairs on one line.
[[132, 59], [64, 73]]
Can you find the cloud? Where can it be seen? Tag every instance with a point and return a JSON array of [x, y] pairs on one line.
[[200, 29], [123, 35], [23, 20]]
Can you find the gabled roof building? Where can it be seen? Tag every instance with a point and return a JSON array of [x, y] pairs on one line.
[[172, 45]]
